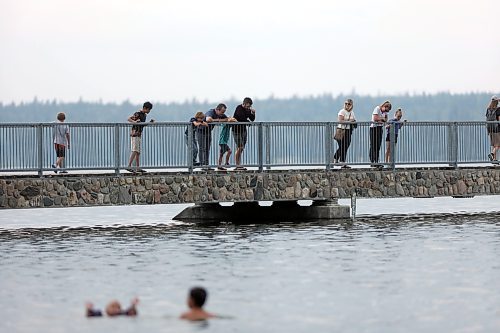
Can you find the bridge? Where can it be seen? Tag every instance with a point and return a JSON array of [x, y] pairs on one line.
[[286, 162]]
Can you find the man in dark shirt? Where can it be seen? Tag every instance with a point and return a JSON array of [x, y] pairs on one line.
[[243, 114], [204, 134], [136, 133]]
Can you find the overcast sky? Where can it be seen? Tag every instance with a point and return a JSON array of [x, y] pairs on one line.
[[162, 50]]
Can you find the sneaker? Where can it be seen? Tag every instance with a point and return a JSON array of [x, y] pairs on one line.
[[63, 171], [490, 156], [196, 164], [240, 168], [141, 170], [346, 167], [130, 170], [55, 167], [335, 161], [221, 168]]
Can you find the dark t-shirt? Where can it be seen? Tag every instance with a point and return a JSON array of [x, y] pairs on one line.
[[212, 114], [137, 130], [242, 115]]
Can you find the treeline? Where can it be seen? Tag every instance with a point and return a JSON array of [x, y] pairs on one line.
[[421, 107]]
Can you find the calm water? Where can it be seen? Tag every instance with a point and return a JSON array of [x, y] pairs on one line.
[[420, 273]]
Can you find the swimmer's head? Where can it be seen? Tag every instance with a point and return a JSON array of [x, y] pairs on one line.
[[113, 308], [197, 297]]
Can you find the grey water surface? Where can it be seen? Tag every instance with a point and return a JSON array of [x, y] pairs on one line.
[[412, 265]]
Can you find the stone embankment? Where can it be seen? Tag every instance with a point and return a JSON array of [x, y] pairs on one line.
[[100, 190]]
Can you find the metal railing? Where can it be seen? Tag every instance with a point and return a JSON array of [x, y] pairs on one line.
[[106, 146]]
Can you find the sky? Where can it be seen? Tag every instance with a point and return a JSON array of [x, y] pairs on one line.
[[171, 51]]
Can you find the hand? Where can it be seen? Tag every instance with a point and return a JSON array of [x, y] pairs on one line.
[[89, 306], [404, 121], [152, 121], [68, 146], [252, 110], [135, 301], [232, 119]]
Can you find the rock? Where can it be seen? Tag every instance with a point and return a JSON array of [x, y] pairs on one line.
[[47, 202], [399, 190], [30, 192], [156, 196], [125, 195], [461, 187]]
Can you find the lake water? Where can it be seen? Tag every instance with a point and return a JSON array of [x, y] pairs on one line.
[[421, 272]]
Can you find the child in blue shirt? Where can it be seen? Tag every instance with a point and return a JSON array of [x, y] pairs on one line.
[[224, 147]]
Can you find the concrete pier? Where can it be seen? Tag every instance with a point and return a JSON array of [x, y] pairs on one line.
[[252, 211]]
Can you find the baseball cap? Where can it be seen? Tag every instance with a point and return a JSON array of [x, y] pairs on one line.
[[495, 98]]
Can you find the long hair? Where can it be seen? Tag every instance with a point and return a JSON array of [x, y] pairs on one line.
[[387, 104], [493, 104]]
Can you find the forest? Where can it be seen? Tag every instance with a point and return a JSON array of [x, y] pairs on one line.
[[416, 107]]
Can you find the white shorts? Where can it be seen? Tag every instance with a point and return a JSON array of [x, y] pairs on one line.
[[135, 142]]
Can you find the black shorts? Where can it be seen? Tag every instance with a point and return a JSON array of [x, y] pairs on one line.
[[224, 148], [240, 138], [60, 150], [388, 138]]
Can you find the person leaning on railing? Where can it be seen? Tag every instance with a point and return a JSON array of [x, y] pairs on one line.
[[343, 132], [379, 117], [493, 114], [136, 134], [243, 113], [397, 123]]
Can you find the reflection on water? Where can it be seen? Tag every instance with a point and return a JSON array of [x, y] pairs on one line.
[[386, 273]]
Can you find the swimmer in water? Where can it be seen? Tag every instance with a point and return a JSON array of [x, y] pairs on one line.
[[113, 309], [196, 300]]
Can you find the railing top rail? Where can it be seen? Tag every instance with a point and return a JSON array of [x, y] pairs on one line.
[[183, 123]]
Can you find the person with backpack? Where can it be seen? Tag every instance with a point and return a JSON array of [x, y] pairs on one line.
[[493, 114], [343, 132]]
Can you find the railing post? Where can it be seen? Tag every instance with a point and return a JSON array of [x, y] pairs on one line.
[[453, 144], [190, 148], [268, 146], [260, 147], [117, 149], [392, 145], [39, 140], [328, 145]]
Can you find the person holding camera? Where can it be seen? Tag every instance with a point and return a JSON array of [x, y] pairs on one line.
[[343, 132], [136, 134]]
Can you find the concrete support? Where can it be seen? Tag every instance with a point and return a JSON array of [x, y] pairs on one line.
[[280, 211]]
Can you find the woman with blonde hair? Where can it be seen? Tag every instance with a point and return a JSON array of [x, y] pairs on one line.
[[379, 118], [493, 114], [343, 132]]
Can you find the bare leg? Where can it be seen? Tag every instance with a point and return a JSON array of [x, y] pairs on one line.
[[59, 162], [388, 152], [137, 159], [237, 156], [220, 160], [228, 156], [131, 159]]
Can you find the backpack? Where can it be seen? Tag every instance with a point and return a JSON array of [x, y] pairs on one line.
[[491, 115]]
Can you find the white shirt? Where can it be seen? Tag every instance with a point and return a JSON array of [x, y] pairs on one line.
[[59, 133], [348, 116], [380, 114]]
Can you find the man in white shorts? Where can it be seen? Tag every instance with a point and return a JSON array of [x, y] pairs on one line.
[[136, 134]]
